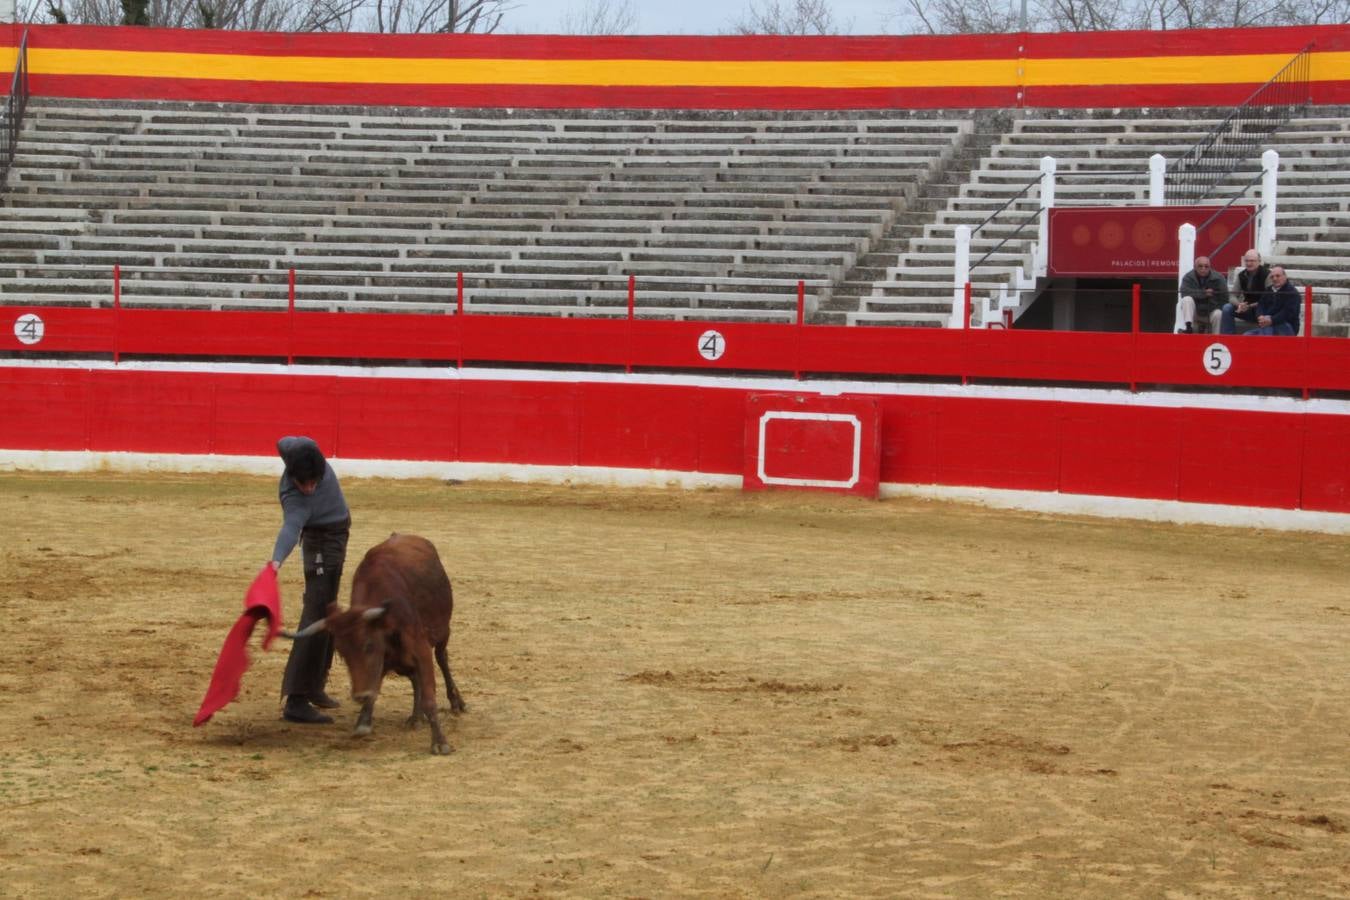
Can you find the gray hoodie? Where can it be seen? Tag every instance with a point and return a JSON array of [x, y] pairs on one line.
[[326, 506]]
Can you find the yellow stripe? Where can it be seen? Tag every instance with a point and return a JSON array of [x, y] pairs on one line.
[[635, 72], [1244, 69], [1247, 69]]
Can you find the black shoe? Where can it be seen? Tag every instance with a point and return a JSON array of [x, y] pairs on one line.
[[323, 701], [302, 711]]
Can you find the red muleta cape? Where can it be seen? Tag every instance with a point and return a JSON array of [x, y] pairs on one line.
[[263, 601]]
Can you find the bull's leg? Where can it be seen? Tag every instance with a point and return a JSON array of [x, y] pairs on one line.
[[416, 715], [426, 695], [363, 720], [451, 691]]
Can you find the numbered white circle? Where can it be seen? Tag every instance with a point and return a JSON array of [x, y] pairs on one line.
[[1217, 359], [29, 328], [711, 345]]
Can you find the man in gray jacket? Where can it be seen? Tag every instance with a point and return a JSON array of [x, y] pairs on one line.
[[315, 515], [1203, 291]]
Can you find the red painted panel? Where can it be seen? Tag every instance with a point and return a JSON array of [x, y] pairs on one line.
[[44, 409], [1000, 444], [252, 411], [62, 329], [527, 422], [199, 332], [1238, 457], [1182, 42], [397, 419], [721, 437], [596, 342], [1326, 463], [1049, 355], [373, 336], [1120, 451], [809, 442], [909, 445], [898, 351], [1255, 361], [741, 345], [638, 427], [151, 412]]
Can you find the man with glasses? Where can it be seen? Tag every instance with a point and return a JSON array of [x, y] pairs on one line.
[[1204, 291], [1276, 313]]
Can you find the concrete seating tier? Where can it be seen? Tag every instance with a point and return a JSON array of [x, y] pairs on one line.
[[544, 212]]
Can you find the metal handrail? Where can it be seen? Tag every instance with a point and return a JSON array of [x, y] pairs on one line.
[[1011, 200], [11, 116], [1016, 231], [1212, 159], [1256, 211], [1236, 197]]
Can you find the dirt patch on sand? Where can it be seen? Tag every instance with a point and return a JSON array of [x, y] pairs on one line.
[[682, 694]]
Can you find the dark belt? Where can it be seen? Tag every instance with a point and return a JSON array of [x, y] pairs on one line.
[[330, 527]]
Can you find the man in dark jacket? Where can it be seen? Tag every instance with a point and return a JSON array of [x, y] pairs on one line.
[[1251, 278], [315, 515], [1277, 312], [1204, 292]]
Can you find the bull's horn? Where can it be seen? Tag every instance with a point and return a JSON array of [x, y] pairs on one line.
[[373, 613], [314, 628]]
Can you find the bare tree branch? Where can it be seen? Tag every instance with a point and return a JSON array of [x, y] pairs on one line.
[[787, 17], [600, 17]]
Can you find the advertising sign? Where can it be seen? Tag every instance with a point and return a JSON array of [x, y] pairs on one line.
[[1140, 241]]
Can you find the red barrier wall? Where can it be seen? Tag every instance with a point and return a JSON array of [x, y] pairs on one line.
[[1304, 363], [1242, 456]]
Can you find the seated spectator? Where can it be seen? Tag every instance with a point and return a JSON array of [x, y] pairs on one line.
[[1275, 313], [1252, 280], [1204, 291], [1252, 277]]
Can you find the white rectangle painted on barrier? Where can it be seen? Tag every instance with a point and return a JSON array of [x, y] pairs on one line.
[[819, 417]]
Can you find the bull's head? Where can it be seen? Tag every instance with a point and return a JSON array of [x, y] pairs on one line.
[[361, 638]]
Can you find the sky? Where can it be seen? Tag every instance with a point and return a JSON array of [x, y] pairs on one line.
[[699, 16]]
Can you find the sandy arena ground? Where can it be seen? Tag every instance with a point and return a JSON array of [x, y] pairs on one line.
[[677, 694]]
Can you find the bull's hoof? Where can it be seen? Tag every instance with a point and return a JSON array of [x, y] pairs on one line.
[[412, 721], [362, 730], [441, 749]]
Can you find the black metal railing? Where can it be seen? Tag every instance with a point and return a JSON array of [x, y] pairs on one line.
[[11, 115], [1022, 223], [1239, 136]]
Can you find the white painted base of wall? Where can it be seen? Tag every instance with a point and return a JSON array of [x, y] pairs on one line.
[[1033, 501]]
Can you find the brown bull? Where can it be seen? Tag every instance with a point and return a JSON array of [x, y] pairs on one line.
[[400, 614]]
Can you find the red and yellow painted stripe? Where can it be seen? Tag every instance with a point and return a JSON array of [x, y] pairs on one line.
[[1178, 68]]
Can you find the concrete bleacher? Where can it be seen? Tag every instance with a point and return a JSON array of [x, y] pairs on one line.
[[1091, 148], [717, 215]]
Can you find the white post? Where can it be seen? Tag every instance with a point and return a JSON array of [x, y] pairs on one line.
[[1265, 225], [960, 275], [1047, 201], [1157, 176], [1185, 263]]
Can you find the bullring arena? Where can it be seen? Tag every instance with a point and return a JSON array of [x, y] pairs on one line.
[[695, 693], [787, 562]]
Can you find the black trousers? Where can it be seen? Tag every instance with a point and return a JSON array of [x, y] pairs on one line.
[[324, 550]]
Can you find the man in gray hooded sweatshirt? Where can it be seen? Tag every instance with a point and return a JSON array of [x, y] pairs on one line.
[[315, 515]]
